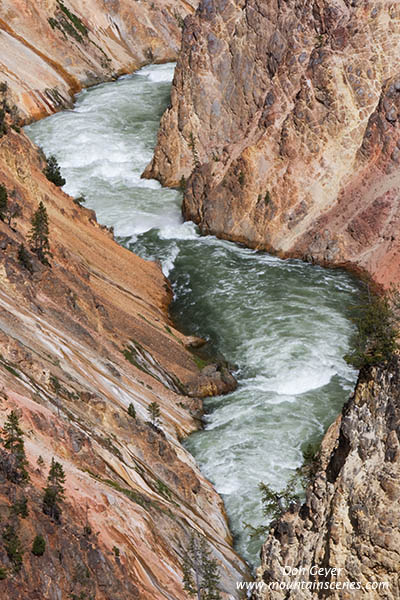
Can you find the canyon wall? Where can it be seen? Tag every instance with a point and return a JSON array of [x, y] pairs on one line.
[[284, 131], [80, 340], [349, 521], [49, 50], [88, 335], [284, 125]]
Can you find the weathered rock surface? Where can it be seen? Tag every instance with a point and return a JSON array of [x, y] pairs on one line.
[[51, 49], [350, 520], [83, 339], [80, 341], [284, 121]]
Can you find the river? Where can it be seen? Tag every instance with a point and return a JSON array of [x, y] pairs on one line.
[[284, 325]]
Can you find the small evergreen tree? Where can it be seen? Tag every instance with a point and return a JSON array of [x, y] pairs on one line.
[[39, 234], [14, 442], [276, 503], [53, 172], [38, 546], [20, 507], [200, 572], [13, 547], [54, 491], [3, 202], [24, 258], [132, 411], [154, 413]]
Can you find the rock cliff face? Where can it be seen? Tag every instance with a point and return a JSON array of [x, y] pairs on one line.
[[284, 121], [284, 124], [349, 521], [80, 341], [83, 338], [51, 49]]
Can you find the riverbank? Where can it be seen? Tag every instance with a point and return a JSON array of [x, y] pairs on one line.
[[257, 311], [82, 340]]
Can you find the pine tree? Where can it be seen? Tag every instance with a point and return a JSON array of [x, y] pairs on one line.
[[54, 491], [14, 442], [53, 172], [39, 234], [200, 571], [132, 411], [3, 202], [154, 413], [24, 258]]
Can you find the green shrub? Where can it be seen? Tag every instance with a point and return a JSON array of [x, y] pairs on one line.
[[377, 320], [20, 507], [38, 546], [132, 411], [3, 202], [3, 573], [116, 551]]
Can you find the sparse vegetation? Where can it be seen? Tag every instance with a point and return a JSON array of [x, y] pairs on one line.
[[132, 411], [13, 547], [241, 178], [13, 441], [20, 507], [200, 572], [39, 234], [154, 413], [116, 551], [24, 258], [53, 172], [54, 491], [378, 321], [38, 546]]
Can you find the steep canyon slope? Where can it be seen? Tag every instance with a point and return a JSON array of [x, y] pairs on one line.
[[50, 49], [83, 338], [284, 128], [284, 121]]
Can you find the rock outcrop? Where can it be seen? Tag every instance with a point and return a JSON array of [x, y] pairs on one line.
[[81, 339], [86, 337], [49, 50], [284, 124], [349, 524]]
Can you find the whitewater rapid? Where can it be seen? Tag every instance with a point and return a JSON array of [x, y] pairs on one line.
[[283, 325]]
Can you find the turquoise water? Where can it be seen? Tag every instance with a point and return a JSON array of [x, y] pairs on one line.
[[283, 325]]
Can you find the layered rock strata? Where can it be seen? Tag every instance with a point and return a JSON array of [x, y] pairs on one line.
[[49, 50], [80, 341], [284, 124], [88, 336]]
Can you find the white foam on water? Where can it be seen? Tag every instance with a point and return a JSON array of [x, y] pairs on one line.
[[283, 323]]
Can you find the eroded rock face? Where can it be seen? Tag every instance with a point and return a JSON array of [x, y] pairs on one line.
[[49, 50], [81, 340], [350, 519], [84, 338], [284, 122]]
